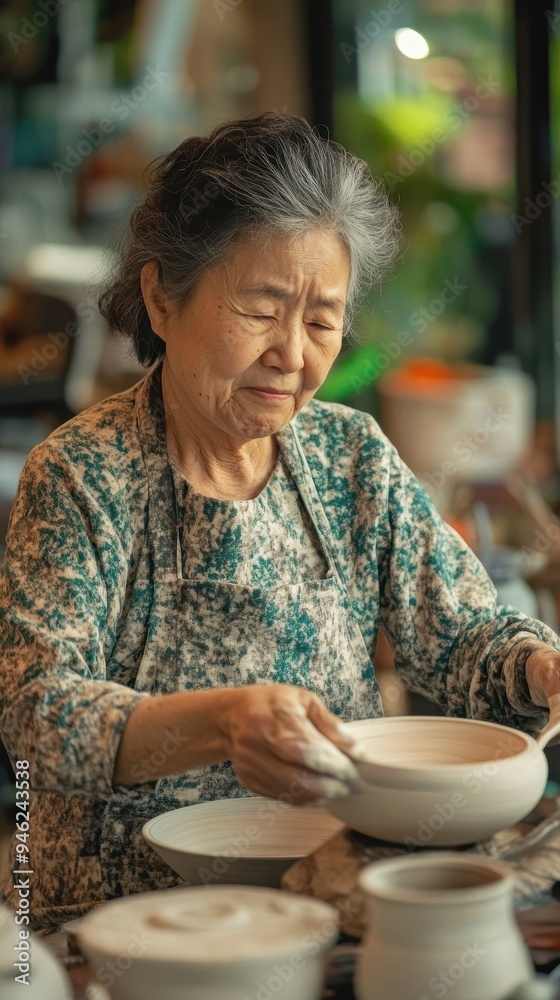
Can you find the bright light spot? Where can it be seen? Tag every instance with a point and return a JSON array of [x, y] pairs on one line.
[[411, 43]]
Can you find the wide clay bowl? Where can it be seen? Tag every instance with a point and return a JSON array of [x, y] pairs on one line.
[[435, 782], [247, 841]]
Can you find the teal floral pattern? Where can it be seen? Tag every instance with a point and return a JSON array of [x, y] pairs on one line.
[[229, 553], [89, 617]]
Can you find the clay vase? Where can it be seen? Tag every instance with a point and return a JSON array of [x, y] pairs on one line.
[[439, 924]]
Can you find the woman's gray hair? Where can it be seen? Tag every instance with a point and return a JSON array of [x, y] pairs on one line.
[[270, 172]]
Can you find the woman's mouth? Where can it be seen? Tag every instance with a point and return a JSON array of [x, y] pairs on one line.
[[274, 395]]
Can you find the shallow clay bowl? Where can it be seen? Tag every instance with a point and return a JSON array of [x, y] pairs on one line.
[[434, 782], [247, 841]]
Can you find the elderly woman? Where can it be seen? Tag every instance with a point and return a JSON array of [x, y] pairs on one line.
[[197, 568]]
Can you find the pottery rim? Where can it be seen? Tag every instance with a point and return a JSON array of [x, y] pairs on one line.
[[246, 854], [374, 879], [527, 747]]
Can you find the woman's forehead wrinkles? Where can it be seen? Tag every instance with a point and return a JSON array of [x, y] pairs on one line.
[[281, 293], [268, 289]]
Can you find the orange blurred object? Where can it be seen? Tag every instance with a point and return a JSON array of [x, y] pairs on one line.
[[429, 374]]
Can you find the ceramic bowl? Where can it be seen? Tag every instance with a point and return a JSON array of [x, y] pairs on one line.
[[436, 782], [247, 841], [209, 943]]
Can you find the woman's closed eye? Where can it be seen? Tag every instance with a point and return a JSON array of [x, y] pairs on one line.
[[314, 323], [317, 329]]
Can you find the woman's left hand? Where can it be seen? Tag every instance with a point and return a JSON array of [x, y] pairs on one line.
[[542, 671]]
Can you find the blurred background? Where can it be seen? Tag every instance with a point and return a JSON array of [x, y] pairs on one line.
[[454, 104]]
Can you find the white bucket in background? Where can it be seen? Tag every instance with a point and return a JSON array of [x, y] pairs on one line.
[[474, 427]]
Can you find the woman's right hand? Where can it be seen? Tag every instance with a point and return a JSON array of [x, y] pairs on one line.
[[283, 740]]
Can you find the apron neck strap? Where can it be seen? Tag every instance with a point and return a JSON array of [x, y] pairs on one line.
[[294, 454]]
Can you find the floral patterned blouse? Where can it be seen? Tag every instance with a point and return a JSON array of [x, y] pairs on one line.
[[121, 582]]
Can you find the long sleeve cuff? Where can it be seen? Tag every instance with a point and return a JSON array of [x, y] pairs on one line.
[[69, 736], [516, 654]]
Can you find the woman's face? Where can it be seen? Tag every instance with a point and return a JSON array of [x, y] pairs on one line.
[[257, 338]]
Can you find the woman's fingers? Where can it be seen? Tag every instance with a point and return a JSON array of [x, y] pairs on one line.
[[542, 671], [293, 726], [333, 728], [318, 754], [301, 736], [295, 785]]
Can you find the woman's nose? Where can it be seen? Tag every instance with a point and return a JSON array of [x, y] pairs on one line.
[[286, 349]]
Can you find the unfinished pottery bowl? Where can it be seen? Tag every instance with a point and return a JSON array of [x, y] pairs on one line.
[[435, 782], [209, 943], [246, 841]]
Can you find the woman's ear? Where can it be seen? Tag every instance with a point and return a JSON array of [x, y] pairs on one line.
[[154, 299]]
